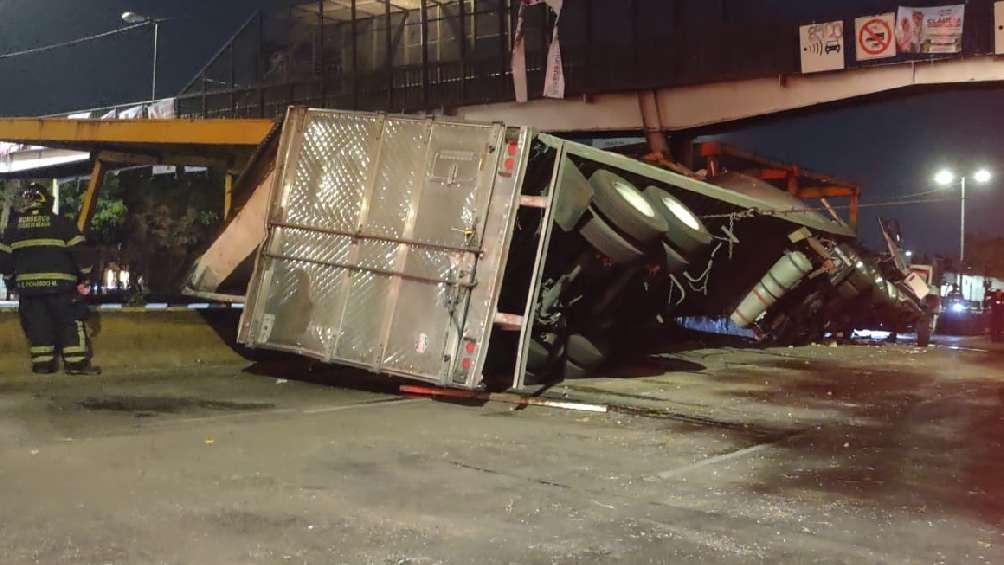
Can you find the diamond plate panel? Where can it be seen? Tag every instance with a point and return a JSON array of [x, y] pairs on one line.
[[361, 325], [390, 306], [424, 314], [309, 245], [325, 181], [434, 263], [418, 341], [398, 177], [298, 304], [458, 184]]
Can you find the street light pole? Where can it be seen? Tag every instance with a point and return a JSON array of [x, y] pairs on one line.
[[946, 178], [962, 231], [156, 45], [134, 18]]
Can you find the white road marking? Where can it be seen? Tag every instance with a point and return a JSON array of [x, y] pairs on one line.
[[715, 460], [391, 401]]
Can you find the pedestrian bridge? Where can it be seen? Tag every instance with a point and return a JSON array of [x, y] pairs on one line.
[[684, 67]]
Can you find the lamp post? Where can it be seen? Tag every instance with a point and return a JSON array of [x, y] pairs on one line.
[[946, 178], [134, 18]]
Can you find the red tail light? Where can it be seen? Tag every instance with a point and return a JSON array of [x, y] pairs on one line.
[[509, 165]]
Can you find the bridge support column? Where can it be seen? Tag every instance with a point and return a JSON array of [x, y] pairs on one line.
[[678, 157], [652, 124], [228, 195], [90, 198]]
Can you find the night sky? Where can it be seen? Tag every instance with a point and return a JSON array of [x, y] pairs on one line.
[[113, 70], [891, 147]]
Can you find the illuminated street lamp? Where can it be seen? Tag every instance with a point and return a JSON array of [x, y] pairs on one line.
[[134, 18], [946, 179], [137, 19], [982, 176]]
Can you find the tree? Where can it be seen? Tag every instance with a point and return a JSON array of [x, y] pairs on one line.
[[6, 203], [107, 226], [154, 223], [170, 218]]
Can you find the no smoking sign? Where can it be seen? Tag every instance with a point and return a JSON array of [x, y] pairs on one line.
[[875, 36]]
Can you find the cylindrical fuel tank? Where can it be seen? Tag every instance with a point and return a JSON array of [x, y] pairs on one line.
[[781, 278], [885, 293], [863, 276], [893, 293], [880, 291]]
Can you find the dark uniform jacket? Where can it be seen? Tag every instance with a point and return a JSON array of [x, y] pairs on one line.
[[41, 253]]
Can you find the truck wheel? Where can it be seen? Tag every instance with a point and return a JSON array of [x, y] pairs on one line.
[[537, 355], [847, 291], [684, 230], [573, 371], [585, 352], [626, 207], [607, 241], [674, 262], [924, 331]]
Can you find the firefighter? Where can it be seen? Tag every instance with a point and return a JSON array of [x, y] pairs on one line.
[[996, 314], [44, 258]]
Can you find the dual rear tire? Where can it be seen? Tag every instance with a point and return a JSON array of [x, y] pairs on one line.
[[624, 222], [626, 226]]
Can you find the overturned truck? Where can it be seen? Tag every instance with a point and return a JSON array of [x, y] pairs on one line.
[[476, 255]]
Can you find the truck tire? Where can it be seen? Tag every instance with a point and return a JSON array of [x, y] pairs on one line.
[[626, 207], [674, 262], [608, 242], [545, 359], [847, 291], [685, 231], [537, 355], [924, 330], [573, 371], [585, 352]]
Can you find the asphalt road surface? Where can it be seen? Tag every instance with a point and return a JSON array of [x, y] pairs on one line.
[[851, 454]]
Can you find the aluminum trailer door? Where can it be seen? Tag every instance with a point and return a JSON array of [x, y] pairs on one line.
[[387, 237]]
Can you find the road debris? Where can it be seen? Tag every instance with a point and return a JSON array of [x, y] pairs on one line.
[[510, 398]]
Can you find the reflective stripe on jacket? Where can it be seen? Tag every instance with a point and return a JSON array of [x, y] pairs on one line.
[[42, 253]]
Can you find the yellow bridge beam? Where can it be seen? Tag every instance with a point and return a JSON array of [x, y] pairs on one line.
[[223, 143], [91, 196], [85, 133]]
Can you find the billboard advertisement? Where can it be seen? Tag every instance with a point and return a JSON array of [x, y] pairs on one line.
[[931, 30]]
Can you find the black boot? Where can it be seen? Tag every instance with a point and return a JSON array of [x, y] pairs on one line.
[[44, 369], [82, 369]]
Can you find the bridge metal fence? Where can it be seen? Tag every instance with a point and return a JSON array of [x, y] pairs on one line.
[[414, 55]]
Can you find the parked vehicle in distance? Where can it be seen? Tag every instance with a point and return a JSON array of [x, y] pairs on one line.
[[963, 317]]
